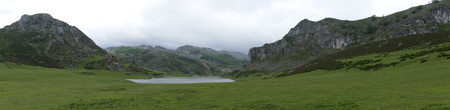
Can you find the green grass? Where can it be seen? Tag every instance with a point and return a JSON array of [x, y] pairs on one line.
[[29, 87], [409, 85]]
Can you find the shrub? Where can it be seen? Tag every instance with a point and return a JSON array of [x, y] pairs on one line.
[[404, 16], [435, 1], [424, 59], [86, 73], [385, 22], [373, 18], [377, 66], [414, 11], [444, 54], [371, 29], [419, 8]]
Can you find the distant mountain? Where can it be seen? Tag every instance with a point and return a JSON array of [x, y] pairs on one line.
[[42, 40], [160, 47], [201, 52], [186, 59], [237, 55], [310, 40]]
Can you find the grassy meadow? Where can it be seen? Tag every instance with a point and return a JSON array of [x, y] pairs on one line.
[[410, 84]]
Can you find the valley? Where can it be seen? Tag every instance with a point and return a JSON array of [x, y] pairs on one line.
[[410, 85], [188, 60], [398, 61]]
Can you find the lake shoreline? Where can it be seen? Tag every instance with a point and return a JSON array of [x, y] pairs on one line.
[[181, 80]]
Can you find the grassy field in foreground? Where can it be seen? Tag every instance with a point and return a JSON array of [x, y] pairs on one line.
[[408, 85]]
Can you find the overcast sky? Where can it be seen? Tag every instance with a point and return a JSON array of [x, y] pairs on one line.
[[235, 25]]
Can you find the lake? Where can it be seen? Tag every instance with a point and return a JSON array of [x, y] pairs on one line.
[[181, 80]]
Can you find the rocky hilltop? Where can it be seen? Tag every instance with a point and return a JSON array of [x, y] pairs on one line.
[[186, 59], [43, 40], [309, 40]]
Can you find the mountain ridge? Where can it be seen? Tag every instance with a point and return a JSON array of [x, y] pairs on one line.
[[186, 59], [309, 40]]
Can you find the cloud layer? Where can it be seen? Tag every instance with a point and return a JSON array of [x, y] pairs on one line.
[[235, 25]]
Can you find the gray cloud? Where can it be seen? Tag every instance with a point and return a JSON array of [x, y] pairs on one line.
[[235, 25]]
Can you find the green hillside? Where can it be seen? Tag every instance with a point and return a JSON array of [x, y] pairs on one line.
[[41, 40], [14, 48], [312, 40], [330, 62], [188, 60], [410, 84]]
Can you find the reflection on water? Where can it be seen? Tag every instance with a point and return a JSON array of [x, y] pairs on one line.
[[181, 80]]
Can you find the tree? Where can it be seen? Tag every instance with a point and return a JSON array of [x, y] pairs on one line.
[[371, 29], [373, 18], [436, 1]]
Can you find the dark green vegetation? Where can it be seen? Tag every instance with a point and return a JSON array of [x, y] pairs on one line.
[[14, 48], [409, 84], [185, 60], [99, 63], [331, 62], [42, 40], [25, 48]]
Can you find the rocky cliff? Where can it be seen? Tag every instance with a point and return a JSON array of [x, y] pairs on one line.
[[43, 40], [309, 40]]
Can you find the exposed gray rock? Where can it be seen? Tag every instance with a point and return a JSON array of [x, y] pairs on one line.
[[309, 40], [60, 41]]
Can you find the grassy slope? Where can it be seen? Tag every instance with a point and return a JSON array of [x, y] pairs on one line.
[[382, 46], [408, 85]]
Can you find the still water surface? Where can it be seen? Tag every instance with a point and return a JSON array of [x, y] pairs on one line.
[[181, 80]]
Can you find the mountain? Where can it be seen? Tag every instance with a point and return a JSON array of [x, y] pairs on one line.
[[220, 57], [309, 40], [42, 40], [237, 55], [185, 60]]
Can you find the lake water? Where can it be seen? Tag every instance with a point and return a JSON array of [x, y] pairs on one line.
[[181, 80]]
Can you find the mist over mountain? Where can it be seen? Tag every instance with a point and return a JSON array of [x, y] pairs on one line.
[[183, 60]]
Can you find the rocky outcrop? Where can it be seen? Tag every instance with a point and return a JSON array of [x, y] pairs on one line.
[[309, 40], [58, 32], [55, 40]]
